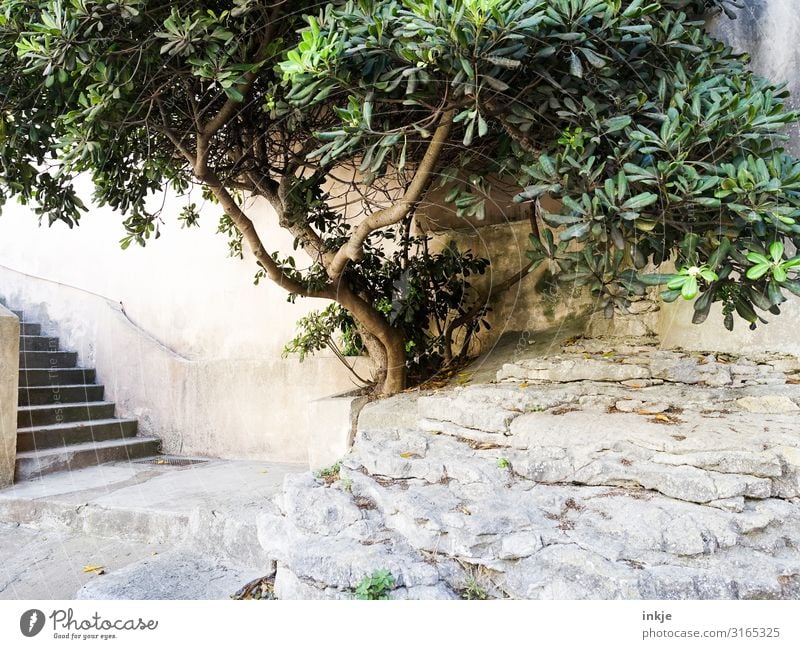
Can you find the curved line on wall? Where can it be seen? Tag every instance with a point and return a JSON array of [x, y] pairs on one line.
[[116, 305]]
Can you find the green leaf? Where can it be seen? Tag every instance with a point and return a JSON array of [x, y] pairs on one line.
[[654, 279], [636, 203], [758, 258], [707, 201], [677, 281], [561, 219], [533, 192], [496, 84], [546, 163], [575, 231], [792, 285], [233, 93], [689, 289], [483, 127], [575, 67], [779, 274], [702, 307], [758, 271], [617, 123], [366, 111], [776, 251]]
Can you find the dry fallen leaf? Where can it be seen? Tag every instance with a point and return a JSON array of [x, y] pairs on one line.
[[98, 570], [524, 385], [662, 418]]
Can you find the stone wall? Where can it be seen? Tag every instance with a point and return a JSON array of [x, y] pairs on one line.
[[9, 376]]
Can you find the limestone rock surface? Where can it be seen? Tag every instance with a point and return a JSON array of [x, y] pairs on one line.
[[624, 473]]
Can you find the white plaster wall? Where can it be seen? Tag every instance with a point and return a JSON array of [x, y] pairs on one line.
[[183, 288], [197, 355]]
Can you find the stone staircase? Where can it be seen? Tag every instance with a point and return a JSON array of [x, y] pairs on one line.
[[63, 423]]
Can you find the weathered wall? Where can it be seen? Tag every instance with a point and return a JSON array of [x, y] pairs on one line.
[[9, 376], [767, 30], [533, 304]]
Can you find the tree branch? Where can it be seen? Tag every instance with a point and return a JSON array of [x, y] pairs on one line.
[[352, 250], [248, 230], [514, 133]]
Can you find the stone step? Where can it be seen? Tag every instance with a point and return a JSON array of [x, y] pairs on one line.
[[62, 413], [30, 329], [42, 395], [33, 464], [55, 376], [74, 433], [47, 359], [38, 343]]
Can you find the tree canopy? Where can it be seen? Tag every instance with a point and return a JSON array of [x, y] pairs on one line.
[[657, 140]]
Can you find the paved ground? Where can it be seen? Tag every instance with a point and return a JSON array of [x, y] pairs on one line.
[[135, 519], [36, 564]]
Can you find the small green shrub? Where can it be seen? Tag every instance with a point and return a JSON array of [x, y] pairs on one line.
[[375, 586], [504, 463], [473, 590], [330, 474]]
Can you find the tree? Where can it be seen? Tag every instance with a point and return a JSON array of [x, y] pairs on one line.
[[658, 141]]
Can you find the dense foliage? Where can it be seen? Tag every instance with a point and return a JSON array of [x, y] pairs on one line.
[[423, 293], [658, 141]]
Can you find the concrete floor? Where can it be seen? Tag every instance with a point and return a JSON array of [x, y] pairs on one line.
[[36, 564], [122, 515]]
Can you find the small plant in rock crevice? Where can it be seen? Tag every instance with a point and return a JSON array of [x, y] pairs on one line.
[[473, 590], [375, 586], [330, 474]]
